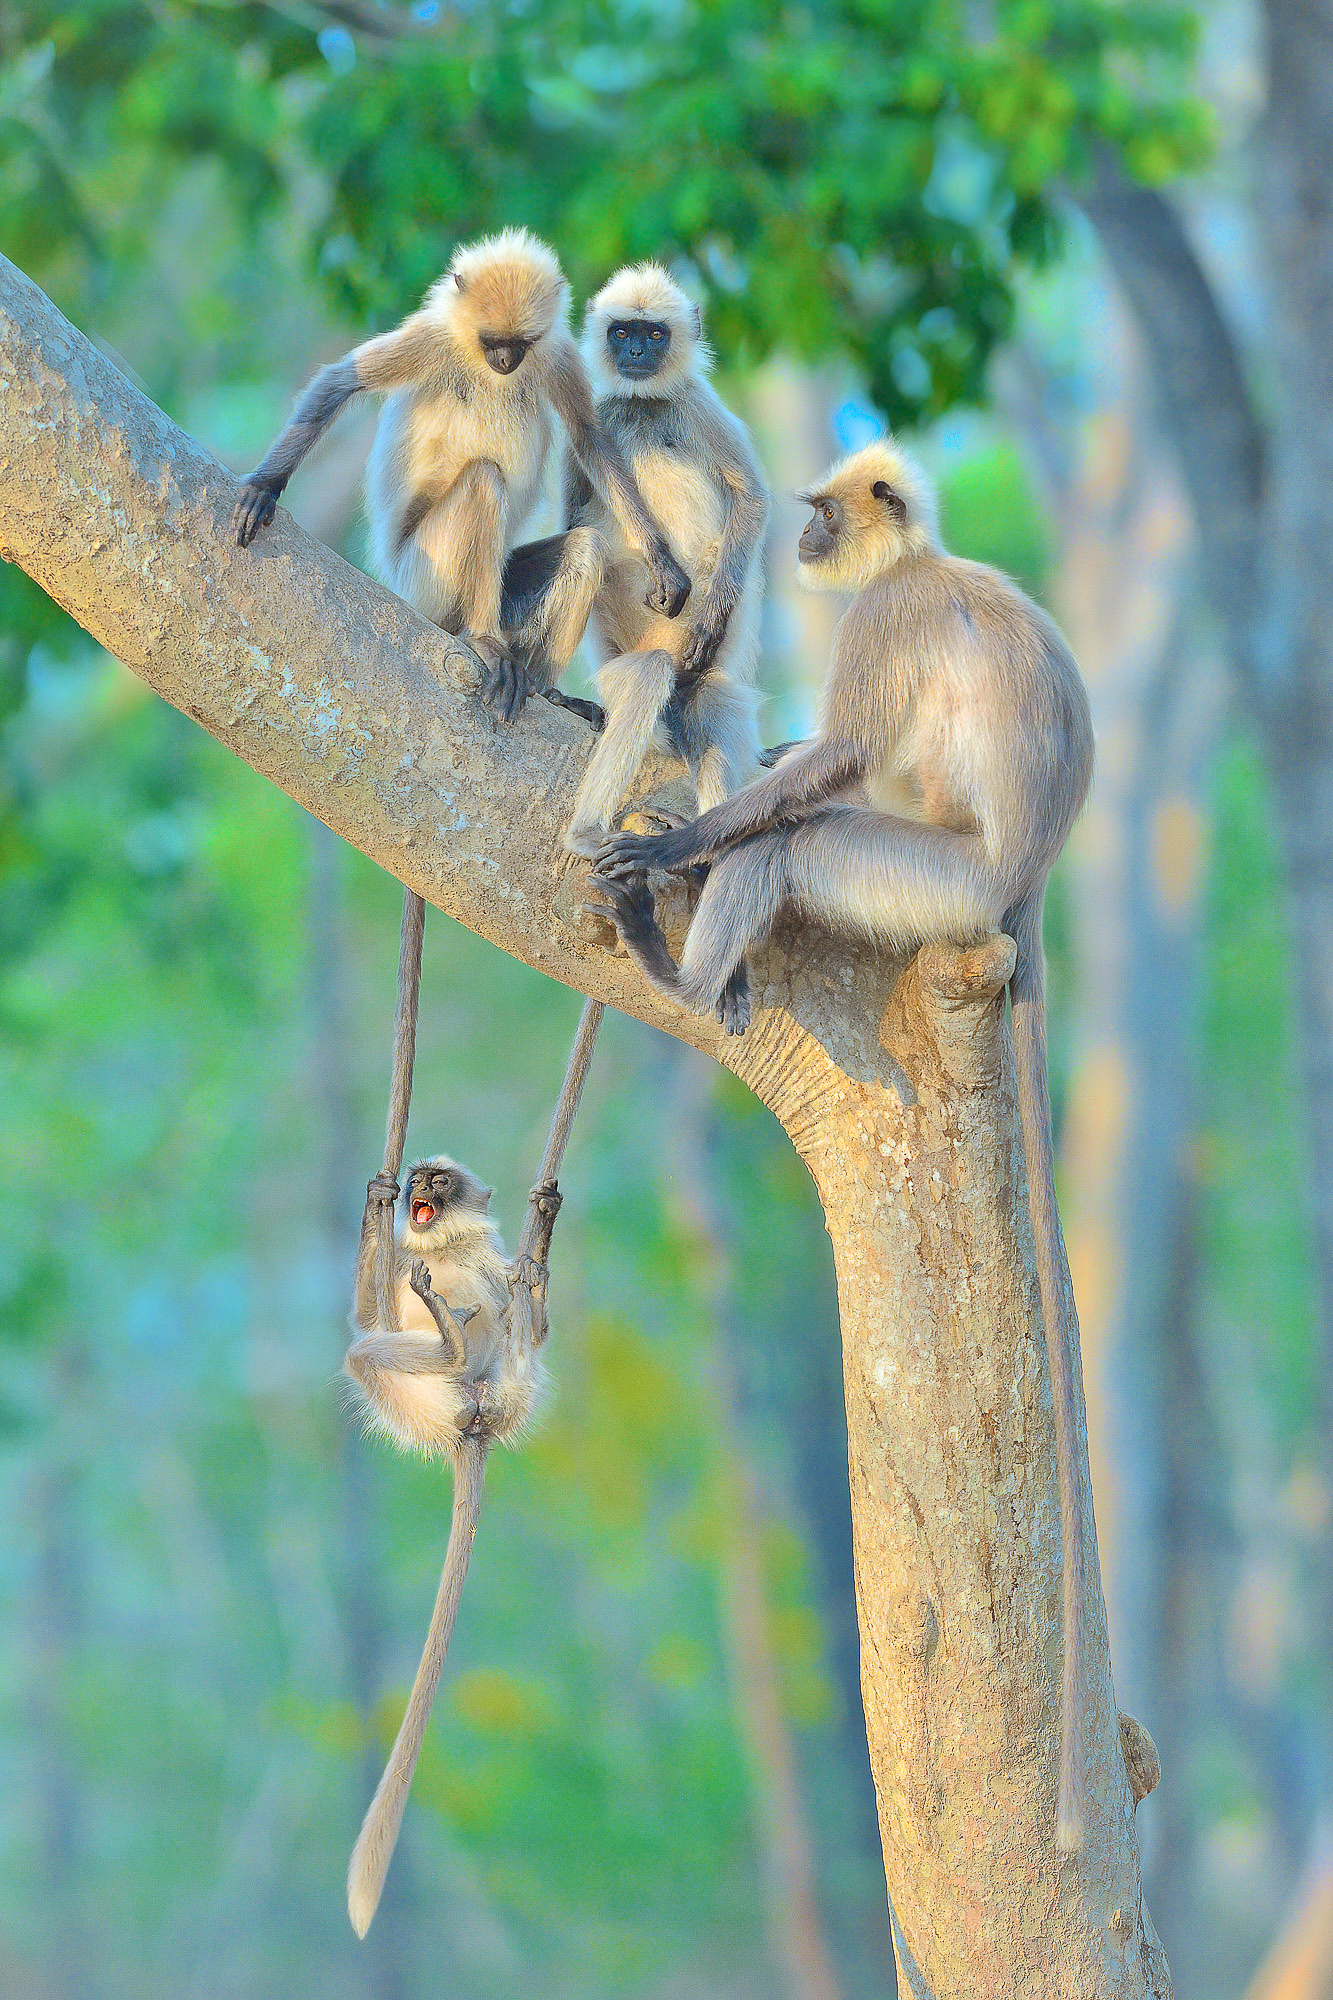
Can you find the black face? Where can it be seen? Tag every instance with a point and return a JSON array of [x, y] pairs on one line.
[[821, 534], [503, 352], [430, 1192], [638, 346]]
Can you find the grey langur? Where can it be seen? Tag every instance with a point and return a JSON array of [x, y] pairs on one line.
[[473, 381], [454, 1381], [953, 756], [687, 681]]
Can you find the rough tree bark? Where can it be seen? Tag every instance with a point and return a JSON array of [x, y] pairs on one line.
[[894, 1083]]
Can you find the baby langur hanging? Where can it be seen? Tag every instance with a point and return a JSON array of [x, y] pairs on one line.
[[448, 1361]]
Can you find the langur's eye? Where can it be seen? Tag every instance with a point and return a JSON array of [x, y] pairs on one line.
[[656, 333], [827, 513]]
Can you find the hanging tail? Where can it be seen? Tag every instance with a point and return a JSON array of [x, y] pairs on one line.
[[379, 1830], [1027, 991]]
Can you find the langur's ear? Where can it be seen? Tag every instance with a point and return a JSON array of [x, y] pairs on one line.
[[458, 280], [698, 321], [895, 503]]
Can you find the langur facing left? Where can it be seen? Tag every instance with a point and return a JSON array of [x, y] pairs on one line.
[[953, 705], [451, 1384]]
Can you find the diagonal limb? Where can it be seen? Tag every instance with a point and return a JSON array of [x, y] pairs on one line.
[[802, 783], [452, 1324], [605, 469]]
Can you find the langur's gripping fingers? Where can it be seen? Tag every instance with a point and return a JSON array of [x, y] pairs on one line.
[[670, 586], [547, 1199], [733, 1007], [419, 1279], [627, 854], [383, 1190], [703, 645], [254, 510], [534, 1276], [629, 905], [505, 686], [592, 711]]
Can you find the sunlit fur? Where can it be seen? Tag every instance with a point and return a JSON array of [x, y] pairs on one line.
[[696, 467], [644, 291], [460, 458], [411, 1390], [876, 540]]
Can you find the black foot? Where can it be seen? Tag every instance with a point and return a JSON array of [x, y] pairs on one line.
[[592, 712], [733, 1009], [253, 511], [768, 758]]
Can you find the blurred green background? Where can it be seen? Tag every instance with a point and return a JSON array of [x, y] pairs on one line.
[[647, 1772]]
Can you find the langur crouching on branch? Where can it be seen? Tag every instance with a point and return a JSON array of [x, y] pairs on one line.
[[454, 1381], [687, 681], [954, 705], [474, 380]]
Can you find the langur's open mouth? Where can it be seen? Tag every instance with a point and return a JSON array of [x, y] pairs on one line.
[[423, 1213]]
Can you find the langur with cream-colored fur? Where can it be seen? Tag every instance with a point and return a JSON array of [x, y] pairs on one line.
[[686, 681], [953, 756], [453, 1381], [474, 380]]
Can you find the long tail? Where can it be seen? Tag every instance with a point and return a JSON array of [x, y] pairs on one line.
[[379, 1830], [1028, 996]]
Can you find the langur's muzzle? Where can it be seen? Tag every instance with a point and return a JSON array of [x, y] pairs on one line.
[[504, 356]]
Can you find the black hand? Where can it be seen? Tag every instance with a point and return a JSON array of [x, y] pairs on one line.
[[624, 854], [670, 585], [703, 645], [254, 510], [505, 688]]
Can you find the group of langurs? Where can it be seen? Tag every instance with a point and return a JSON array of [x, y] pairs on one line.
[[953, 754]]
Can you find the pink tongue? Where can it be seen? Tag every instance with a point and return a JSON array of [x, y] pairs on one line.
[[421, 1212]]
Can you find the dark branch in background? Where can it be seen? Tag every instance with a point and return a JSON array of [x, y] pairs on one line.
[[1204, 399]]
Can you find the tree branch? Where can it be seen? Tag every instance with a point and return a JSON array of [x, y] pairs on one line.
[[898, 1093], [1204, 398]]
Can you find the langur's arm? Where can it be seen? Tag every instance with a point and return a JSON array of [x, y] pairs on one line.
[[576, 493], [747, 517], [803, 782], [390, 361], [599, 457], [451, 1324], [381, 1190]]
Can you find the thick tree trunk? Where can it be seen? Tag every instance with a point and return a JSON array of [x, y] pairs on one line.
[[897, 1092]]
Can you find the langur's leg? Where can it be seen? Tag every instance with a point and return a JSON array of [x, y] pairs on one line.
[[635, 689], [860, 873], [895, 881], [451, 1324], [449, 564], [397, 1354], [741, 898], [549, 591], [713, 728]]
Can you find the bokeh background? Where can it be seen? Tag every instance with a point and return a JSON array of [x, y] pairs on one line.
[[647, 1773]]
